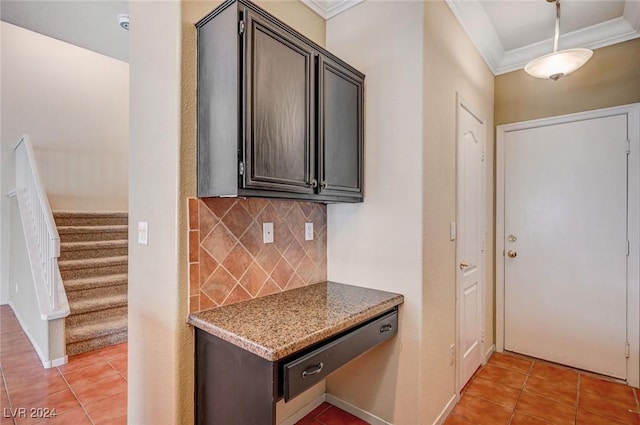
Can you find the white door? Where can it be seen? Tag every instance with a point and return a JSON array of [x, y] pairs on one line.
[[565, 228], [471, 230]]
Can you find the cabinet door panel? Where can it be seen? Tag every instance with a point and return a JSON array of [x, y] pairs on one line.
[[341, 130], [279, 118]]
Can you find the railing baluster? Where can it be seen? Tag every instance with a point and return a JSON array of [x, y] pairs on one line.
[[31, 191]]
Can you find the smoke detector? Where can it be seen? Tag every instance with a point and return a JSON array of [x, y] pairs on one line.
[[123, 20]]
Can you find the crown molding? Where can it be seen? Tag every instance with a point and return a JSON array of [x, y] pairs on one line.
[[476, 23], [327, 9]]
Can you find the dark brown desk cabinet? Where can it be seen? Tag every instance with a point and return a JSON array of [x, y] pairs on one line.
[[278, 116]]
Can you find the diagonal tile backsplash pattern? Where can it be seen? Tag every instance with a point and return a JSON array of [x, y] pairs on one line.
[[228, 261]]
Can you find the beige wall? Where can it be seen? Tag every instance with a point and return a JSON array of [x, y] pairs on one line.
[[610, 78], [416, 57], [452, 65], [74, 103], [162, 131], [160, 342], [378, 243]]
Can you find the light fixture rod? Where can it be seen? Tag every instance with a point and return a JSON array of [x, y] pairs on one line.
[[557, 36]]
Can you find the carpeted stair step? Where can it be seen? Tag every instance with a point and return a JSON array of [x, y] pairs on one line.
[[100, 316], [91, 344], [92, 233], [95, 282], [86, 218], [75, 269], [91, 336], [93, 249], [96, 303]]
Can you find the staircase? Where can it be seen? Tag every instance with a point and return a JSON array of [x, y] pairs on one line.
[[93, 265]]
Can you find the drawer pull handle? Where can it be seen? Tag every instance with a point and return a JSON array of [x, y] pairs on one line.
[[312, 370], [385, 328]]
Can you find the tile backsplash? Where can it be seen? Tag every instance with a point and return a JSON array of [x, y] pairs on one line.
[[228, 261]]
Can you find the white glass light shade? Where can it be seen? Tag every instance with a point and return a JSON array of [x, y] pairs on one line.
[[557, 64]]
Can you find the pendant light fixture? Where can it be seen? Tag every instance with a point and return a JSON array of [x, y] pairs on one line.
[[559, 63]]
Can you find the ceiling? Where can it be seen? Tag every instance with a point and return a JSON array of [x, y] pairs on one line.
[[92, 24], [507, 33]]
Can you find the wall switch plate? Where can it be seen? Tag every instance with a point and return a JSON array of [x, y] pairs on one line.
[[267, 232], [308, 231], [143, 233]]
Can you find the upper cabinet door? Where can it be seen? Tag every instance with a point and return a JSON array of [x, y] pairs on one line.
[[279, 118], [340, 130]]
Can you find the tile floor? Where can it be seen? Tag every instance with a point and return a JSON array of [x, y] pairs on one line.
[[513, 390], [326, 414], [510, 390], [91, 389]]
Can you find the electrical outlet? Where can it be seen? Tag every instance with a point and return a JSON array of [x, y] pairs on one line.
[[452, 354], [267, 232], [308, 231]]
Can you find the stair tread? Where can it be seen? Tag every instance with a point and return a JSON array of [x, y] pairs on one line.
[[92, 262], [95, 330], [85, 245], [98, 279], [93, 229], [97, 303], [83, 214]]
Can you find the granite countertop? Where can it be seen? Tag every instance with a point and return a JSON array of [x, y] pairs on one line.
[[277, 325]]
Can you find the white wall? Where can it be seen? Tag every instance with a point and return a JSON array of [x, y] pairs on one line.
[[378, 243], [75, 105]]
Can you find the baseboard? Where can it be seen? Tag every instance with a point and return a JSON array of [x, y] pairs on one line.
[[488, 354], [59, 361], [291, 420], [355, 411], [447, 409], [47, 364]]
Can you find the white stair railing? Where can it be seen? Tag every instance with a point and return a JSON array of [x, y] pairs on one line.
[[41, 234]]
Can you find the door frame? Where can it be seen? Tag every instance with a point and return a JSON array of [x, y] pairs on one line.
[[461, 103], [633, 222]]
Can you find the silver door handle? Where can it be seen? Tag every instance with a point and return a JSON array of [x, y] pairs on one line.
[[464, 265], [512, 254]]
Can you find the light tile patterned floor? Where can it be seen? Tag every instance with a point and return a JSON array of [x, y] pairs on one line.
[[513, 390], [90, 389]]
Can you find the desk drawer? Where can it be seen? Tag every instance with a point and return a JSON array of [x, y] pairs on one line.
[[304, 372]]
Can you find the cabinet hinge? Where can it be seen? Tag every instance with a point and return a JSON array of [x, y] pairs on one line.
[[627, 349], [241, 27], [241, 168], [628, 147]]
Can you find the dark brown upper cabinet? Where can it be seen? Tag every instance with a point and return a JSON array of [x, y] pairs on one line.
[[278, 116]]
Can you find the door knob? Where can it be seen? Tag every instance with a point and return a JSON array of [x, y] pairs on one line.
[[464, 265], [512, 254]]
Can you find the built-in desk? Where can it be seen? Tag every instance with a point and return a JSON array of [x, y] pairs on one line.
[[251, 354]]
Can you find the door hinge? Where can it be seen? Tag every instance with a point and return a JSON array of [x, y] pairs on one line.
[[241, 27], [241, 168], [627, 349], [484, 155], [628, 147], [628, 248]]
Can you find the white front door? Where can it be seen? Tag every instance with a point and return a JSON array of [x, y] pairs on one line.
[[471, 230], [565, 230]]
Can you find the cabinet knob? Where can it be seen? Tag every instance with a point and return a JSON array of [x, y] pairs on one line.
[[323, 185], [313, 183]]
